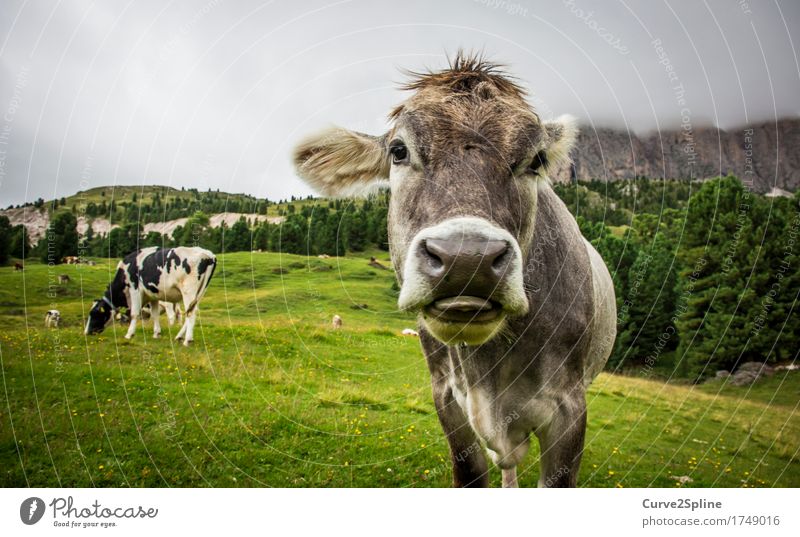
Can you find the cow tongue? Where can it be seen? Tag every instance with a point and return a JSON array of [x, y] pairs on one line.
[[463, 303]]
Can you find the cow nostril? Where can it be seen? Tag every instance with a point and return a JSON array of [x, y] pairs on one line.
[[432, 255], [501, 258]]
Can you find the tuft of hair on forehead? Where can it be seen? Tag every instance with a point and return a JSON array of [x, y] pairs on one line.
[[467, 73]]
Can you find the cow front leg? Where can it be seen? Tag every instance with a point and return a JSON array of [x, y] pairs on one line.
[[510, 478], [156, 313], [132, 327], [136, 311], [561, 443], [469, 462]]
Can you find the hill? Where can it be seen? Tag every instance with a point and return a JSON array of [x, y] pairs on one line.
[[104, 208], [270, 395]]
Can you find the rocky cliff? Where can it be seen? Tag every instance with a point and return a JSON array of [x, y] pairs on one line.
[[765, 155]]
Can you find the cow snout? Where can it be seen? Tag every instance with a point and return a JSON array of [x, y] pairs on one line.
[[464, 266], [464, 275], [464, 271]]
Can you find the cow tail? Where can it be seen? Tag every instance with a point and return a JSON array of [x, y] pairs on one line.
[[203, 286]]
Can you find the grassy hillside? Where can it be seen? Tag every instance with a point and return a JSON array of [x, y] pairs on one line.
[[146, 194], [270, 395]]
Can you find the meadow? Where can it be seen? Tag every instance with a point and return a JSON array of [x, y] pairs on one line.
[[270, 395]]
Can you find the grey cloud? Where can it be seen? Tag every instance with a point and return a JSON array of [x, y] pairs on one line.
[[212, 95]]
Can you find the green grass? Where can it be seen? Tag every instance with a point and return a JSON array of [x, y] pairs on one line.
[[619, 231], [269, 395]]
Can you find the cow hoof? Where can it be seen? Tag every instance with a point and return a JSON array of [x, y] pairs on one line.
[[128, 337], [156, 336], [187, 342]]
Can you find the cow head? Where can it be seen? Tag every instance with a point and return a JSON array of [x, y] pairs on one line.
[[462, 159], [99, 316]]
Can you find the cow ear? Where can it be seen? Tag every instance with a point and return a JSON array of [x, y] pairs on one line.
[[561, 133], [339, 163]]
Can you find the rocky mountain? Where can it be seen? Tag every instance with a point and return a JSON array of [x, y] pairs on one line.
[[764, 156]]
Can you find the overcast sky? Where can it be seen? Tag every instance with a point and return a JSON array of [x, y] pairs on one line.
[[212, 95]]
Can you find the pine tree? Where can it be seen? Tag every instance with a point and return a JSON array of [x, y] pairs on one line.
[[649, 332], [60, 239], [720, 255], [6, 233]]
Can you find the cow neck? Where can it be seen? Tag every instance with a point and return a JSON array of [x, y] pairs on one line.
[[115, 294], [108, 301]]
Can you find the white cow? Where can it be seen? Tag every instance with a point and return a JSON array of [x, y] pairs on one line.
[[52, 318], [155, 275]]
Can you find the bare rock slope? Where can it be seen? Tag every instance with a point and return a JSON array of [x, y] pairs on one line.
[[763, 156]]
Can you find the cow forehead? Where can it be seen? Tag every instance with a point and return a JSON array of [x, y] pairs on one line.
[[438, 128]]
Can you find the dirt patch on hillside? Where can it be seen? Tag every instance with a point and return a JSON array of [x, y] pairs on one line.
[[37, 220]]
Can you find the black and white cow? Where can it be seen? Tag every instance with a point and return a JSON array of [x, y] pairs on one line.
[[151, 275], [52, 318]]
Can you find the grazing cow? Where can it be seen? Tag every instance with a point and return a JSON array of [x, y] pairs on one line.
[[152, 275], [63, 278], [337, 322], [71, 260], [18, 267], [410, 332], [516, 309], [374, 263], [52, 318]]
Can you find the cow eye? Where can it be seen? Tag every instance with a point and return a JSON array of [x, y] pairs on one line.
[[539, 161], [399, 152]]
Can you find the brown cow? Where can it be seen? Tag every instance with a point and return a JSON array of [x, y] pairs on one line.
[[516, 309]]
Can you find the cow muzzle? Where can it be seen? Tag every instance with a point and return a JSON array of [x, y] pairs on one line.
[[465, 277]]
